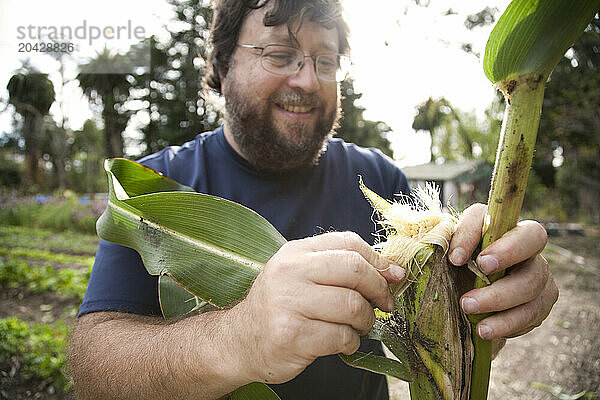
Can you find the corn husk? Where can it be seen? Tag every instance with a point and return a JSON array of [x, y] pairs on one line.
[[428, 330]]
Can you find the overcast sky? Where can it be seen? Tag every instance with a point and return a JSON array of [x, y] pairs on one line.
[[403, 53]]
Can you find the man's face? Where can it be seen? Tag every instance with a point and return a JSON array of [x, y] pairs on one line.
[[279, 122]]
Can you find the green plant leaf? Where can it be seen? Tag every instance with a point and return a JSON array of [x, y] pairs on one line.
[[532, 36], [212, 247], [175, 300], [201, 246], [254, 391], [379, 364], [559, 394], [136, 179]]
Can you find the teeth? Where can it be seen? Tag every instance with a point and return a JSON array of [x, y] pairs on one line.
[[296, 109]]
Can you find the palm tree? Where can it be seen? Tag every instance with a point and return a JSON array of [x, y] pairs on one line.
[[104, 84], [32, 94]]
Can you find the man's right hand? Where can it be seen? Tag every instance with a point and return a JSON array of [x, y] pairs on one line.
[[313, 298]]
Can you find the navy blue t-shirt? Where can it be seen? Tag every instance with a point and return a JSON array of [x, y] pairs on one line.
[[310, 201]]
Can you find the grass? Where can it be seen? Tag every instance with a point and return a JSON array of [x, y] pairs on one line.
[[36, 254], [45, 239], [63, 273], [558, 393], [33, 352]]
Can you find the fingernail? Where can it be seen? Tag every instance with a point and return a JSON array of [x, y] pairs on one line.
[[484, 332], [488, 264], [469, 305], [458, 256], [397, 272]]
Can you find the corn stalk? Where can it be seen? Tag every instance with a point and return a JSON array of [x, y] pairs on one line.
[[528, 41]]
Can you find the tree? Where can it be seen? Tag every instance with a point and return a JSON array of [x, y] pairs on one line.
[[32, 95], [178, 105], [355, 128], [107, 87], [58, 135], [87, 173], [568, 144], [457, 135]]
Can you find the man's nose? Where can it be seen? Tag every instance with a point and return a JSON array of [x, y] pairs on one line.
[[306, 78]]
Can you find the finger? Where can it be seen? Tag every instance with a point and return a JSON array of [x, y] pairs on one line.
[[522, 319], [353, 242], [339, 305], [324, 338], [468, 234], [521, 285], [350, 270], [525, 240]]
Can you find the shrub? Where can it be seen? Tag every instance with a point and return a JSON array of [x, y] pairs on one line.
[[55, 213], [68, 282], [32, 352], [70, 242]]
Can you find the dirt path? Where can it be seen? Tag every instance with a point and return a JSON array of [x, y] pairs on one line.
[[565, 351]]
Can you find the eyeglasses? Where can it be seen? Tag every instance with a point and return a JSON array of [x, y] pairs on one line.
[[286, 60]]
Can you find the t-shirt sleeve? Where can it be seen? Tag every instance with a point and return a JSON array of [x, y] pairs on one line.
[[119, 282]]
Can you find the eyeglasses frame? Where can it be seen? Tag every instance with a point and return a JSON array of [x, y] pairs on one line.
[[311, 56]]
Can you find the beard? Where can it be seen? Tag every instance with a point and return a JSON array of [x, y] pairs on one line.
[[262, 144]]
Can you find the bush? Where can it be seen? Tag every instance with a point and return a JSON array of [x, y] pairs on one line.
[[55, 213], [10, 174], [542, 202], [32, 352], [67, 282], [70, 242]]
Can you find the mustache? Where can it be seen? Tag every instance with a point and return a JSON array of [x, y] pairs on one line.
[[296, 98]]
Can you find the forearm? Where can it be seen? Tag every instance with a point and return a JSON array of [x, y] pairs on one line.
[[125, 356]]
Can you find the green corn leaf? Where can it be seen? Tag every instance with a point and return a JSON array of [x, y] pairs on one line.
[[175, 300], [136, 179], [211, 246], [379, 364], [254, 391], [532, 36]]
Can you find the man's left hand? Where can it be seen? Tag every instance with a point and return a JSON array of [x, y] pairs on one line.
[[523, 298]]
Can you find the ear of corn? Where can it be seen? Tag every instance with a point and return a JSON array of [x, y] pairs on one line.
[[412, 229], [428, 329]]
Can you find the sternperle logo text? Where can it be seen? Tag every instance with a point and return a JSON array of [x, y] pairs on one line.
[[83, 31]]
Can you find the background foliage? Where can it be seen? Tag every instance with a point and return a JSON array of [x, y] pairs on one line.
[[41, 154]]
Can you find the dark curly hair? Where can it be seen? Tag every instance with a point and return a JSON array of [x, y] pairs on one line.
[[230, 14]]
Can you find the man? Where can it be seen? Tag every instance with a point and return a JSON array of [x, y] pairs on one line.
[[272, 61]]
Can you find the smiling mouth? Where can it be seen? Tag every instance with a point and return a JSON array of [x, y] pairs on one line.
[[295, 109]]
